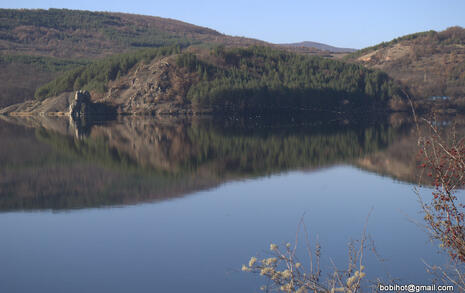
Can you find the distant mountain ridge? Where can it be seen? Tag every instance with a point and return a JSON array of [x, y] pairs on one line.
[[320, 46]]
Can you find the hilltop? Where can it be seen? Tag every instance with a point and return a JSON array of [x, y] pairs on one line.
[[429, 63], [64, 33]]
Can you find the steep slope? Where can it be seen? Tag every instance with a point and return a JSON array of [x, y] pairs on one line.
[[429, 63]]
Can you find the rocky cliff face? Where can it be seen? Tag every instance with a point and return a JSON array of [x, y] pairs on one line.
[[159, 87]]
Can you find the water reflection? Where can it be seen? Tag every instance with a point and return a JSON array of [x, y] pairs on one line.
[[53, 163]]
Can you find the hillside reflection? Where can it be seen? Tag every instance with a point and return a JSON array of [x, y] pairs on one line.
[[50, 164]]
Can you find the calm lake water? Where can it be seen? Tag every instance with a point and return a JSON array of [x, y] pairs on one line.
[[172, 205]]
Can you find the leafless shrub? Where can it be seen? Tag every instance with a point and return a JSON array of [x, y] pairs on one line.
[[285, 272], [442, 157]]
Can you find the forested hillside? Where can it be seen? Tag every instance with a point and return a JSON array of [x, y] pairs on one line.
[[263, 77], [235, 79]]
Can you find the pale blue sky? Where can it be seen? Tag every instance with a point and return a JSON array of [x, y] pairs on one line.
[[355, 24]]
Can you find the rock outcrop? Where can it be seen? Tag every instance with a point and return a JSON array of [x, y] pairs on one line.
[[54, 106], [76, 105], [81, 106]]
